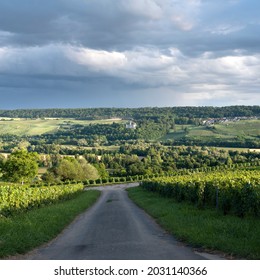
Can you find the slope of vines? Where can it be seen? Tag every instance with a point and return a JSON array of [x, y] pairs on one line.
[[236, 192], [15, 199]]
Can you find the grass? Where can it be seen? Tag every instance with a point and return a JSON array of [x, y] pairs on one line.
[[105, 148], [205, 229], [241, 128], [42, 170], [25, 231], [231, 130], [31, 127], [28, 127]]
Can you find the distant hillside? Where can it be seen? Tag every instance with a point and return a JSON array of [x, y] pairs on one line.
[[234, 126], [227, 133], [135, 113]]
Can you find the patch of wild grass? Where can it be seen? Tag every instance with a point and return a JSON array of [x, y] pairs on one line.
[[206, 228], [23, 232]]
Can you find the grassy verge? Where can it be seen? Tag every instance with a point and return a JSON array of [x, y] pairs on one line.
[[205, 229], [23, 232]]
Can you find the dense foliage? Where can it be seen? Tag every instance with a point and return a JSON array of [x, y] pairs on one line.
[[146, 159], [236, 192], [137, 159], [69, 168], [15, 198], [136, 113], [21, 166]]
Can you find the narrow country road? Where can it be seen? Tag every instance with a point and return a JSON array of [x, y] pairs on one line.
[[115, 228]]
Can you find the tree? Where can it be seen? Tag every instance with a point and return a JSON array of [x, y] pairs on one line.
[[20, 167], [23, 145], [2, 162], [70, 168], [88, 171], [101, 168]]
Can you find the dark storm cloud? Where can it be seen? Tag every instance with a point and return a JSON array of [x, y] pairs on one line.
[[95, 24], [99, 24], [122, 24], [195, 51]]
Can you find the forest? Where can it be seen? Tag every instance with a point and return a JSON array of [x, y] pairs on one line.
[[187, 112]]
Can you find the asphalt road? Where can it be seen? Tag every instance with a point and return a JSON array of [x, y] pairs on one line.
[[115, 229]]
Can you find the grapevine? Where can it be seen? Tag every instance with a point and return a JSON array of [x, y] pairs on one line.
[[233, 191], [16, 199]]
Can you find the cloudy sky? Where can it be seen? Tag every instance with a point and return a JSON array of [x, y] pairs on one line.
[[129, 53]]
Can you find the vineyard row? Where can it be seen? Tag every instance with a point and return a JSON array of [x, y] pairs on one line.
[[16, 199], [236, 192]]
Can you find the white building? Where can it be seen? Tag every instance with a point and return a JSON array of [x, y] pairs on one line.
[[131, 125]]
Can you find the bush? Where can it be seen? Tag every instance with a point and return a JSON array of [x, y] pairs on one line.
[[99, 181]]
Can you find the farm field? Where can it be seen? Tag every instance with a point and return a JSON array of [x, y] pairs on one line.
[[238, 149], [243, 128], [31, 127], [246, 128], [104, 148]]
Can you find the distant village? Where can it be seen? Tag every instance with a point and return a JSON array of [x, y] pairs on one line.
[[212, 121], [207, 122]]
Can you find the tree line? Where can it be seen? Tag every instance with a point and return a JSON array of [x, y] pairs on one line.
[[136, 159], [136, 113]]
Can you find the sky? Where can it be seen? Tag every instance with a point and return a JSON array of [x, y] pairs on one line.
[[129, 53]]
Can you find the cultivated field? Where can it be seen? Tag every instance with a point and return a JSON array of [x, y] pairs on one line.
[[230, 130], [22, 127]]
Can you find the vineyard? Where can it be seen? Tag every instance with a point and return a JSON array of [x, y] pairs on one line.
[[18, 198], [236, 192]]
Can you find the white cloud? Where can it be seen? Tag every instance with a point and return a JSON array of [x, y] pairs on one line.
[[182, 14], [204, 77], [143, 66], [185, 13], [147, 8], [225, 29], [154, 68], [5, 37], [3, 52], [140, 62], [97, 60]]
